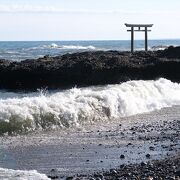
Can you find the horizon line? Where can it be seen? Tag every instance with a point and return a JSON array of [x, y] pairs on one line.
[[90, 40]]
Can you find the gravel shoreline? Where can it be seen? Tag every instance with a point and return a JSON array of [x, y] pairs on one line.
[[167, 169]]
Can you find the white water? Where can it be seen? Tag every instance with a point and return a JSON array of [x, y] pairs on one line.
[[68, 47], [9, 174], [77, 106], [53, 45]]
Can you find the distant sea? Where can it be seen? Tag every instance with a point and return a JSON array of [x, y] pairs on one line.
[[21, 50]]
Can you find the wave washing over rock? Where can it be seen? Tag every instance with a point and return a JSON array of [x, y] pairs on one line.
[[9, 174], [78, 106]]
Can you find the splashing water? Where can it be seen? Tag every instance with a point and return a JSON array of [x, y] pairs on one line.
[[9, 174], [54, 110]]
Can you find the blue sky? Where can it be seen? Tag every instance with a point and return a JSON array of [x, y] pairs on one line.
[[86, 19]]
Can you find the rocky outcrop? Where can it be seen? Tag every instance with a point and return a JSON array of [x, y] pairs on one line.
[[90, 68]]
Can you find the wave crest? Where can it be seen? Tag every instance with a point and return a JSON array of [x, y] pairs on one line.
[[19, 174], [78, 106]]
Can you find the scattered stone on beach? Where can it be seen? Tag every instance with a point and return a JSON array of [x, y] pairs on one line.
[[148, 155], [129, 144], [143, 163], [151, 148], [52, 170], [166, 169], [70, 178], [122, 156], [113, 171], [53, 177]]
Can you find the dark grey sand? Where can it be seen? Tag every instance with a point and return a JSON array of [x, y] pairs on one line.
[[96, 147]]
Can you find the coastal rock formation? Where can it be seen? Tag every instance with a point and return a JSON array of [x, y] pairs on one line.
[[90, 68]]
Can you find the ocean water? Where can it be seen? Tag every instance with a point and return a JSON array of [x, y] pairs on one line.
[[61, 109], [23, 112], [18, 51]]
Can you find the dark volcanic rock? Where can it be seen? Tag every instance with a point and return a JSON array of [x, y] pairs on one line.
[[171, 52], [90, 68]]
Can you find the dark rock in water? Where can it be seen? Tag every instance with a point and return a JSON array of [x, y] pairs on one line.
[[90, 68]]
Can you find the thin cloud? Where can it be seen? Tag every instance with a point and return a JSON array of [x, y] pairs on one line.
[[53, 9]]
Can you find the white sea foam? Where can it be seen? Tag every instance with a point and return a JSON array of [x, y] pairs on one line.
[[68, 47], [77, 106], [78, 47], [9, 174]]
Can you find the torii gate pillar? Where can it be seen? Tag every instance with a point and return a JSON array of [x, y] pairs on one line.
[[139, 29]]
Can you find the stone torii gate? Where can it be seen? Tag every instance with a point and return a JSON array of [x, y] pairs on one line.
[[138, 28]]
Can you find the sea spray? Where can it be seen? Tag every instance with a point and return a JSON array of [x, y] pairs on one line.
[[68, 47], [8, 174], [78, 106]]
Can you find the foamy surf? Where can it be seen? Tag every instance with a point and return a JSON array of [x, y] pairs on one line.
[[78, 106], [64, 47], [9, 174]]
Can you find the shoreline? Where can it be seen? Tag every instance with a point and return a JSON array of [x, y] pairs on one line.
[[95, 148]]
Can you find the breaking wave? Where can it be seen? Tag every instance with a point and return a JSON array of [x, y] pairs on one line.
[[9, 174], [68, 47], [74, 107]]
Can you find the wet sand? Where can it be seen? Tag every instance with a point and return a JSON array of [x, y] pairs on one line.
[[95, 147]]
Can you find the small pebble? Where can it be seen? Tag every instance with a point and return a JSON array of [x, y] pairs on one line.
[[69, 178], [113, 171], [143, 163], [122, 156], [52, 170], [151, 148], [122, 166]]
